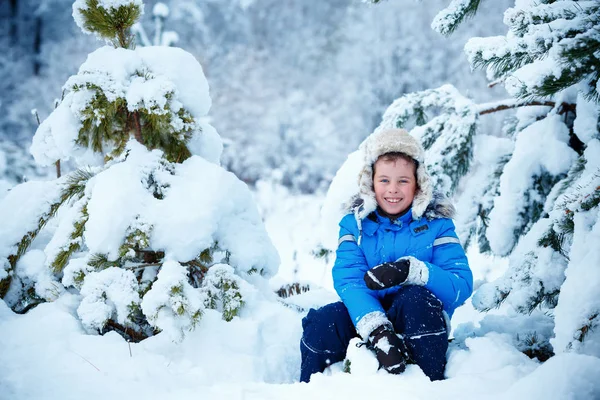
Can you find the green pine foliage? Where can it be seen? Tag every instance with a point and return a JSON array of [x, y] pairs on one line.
[[111, 123], [534, 346], [112, 24], [485, 206], [74, 188], [63, 256], [222, 288], [5, 283]]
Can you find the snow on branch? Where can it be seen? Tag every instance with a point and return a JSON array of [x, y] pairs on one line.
[[448, 20], [549, 47]]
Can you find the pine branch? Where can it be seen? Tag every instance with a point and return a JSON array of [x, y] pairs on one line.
[[593, 321], [125, 331], [292, 289], [5, 285], [490, 109], [101, 262], [449, 19], [75, 187]]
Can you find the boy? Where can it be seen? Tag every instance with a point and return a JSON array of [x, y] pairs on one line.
[[400, 269]]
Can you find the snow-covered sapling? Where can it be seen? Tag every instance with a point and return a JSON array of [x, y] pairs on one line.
[[150, 231]]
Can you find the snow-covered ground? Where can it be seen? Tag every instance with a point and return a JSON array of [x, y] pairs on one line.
[[45, 354]]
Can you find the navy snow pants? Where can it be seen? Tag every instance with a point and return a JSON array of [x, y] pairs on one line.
[[415, 313]]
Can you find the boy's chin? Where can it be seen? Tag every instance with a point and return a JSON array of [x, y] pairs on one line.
[[394, 210]]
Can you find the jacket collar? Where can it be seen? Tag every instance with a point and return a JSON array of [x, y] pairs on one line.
[[375, 220]]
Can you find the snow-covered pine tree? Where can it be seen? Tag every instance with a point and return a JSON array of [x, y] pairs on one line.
[[534, 193], [150, 231]]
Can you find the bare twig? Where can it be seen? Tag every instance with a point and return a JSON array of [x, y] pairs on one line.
[[503, 107], [86, 360]]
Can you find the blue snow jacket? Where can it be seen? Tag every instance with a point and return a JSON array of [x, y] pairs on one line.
[[380, 240]]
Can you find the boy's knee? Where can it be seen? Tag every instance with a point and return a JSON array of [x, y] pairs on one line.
[[417, 297], [329, 314], [415, 310], [327, 329]]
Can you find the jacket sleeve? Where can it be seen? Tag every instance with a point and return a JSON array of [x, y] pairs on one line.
[[348, 271], [450, 277]]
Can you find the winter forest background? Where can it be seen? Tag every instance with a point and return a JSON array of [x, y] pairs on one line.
[[295, 88], [506, 103]]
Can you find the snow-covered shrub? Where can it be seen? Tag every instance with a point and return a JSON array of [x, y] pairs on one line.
[[139, 227]]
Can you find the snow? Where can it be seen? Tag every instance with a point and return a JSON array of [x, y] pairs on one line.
[[160, 10], [55, 137], [61, 240], [174, 313], [578, 304], [32, 264], [450, 16], [476, 188], [21, 209], [117, 196], [342, 188], [228, 217], [585, 125], [578, 299], [256, 355], [107, 294], [363, 362], [529, 159]]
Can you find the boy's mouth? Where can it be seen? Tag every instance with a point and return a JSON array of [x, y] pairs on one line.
[[390, 200]]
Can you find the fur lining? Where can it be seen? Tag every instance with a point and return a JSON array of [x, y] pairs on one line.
[[370, 322], [418, 273], [386, 141], [439, 207]]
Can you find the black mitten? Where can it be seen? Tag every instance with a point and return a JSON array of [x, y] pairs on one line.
[[388, 274], [390, 350]]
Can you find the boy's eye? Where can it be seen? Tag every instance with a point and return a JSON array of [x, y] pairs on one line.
[[384, 180]]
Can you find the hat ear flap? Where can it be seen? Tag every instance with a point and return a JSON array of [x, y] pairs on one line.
[[424, 192]]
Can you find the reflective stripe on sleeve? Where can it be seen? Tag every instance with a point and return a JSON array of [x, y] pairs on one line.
[[346, 238], [445, 240]]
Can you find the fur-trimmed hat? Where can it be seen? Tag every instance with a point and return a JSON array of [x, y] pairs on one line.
[[387, 141]]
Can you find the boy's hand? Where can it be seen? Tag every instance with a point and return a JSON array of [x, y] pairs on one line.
[[388, 274], [390, 350]]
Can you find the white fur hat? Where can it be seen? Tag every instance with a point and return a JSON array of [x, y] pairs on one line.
[[386, 141]]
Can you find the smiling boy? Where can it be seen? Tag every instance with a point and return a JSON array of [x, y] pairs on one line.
[[400, 269]]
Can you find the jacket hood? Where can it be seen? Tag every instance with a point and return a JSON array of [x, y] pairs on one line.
[[425, 202]]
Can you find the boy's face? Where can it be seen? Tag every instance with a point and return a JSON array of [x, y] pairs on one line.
[[394, 184]]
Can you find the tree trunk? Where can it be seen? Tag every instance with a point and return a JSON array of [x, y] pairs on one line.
[[37, 46], [14, 11]]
